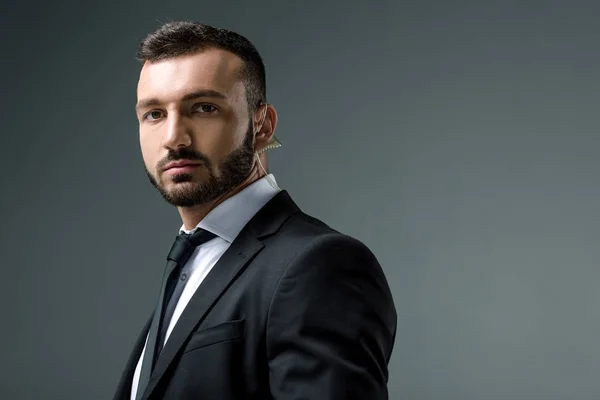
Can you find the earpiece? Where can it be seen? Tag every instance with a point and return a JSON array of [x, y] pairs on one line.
[[264, 118], [267, 147], [274, 142]]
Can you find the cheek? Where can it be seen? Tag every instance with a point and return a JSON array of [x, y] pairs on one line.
[[220, 145], [149, 151]]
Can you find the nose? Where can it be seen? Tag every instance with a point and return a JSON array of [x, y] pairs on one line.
[[178, 133]]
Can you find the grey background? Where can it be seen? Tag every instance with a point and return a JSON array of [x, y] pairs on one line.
[[459, 140]]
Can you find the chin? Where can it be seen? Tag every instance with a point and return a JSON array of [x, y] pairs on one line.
[[182, 188]]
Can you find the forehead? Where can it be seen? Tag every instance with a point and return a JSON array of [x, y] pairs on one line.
[[211, 69]]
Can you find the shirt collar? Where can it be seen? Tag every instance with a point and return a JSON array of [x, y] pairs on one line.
[[229, 218]]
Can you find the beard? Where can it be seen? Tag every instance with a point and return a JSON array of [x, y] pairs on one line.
[[234, 169]]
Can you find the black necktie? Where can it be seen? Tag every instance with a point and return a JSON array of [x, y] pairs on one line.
[[182, 249]]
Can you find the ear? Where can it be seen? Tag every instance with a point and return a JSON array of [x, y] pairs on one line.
[[265, 121]]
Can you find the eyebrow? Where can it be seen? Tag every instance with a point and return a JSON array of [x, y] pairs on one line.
[[189, 96]]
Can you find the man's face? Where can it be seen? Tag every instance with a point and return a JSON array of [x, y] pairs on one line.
[[196, 134]]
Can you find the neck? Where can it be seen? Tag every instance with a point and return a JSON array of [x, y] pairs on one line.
[[191, 216]]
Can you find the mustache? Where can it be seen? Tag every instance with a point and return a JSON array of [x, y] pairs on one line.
[[184, 154]]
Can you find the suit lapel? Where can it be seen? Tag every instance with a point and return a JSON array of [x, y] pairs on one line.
[[222, 275], [229, 266]]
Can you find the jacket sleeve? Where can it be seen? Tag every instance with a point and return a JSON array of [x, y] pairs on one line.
[[331, 325]]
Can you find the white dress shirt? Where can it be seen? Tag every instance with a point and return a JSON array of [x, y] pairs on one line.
[[226, 221]]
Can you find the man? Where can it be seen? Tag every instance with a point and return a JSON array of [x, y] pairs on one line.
[[259, 300]]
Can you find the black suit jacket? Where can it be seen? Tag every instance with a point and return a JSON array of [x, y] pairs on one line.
[[292, 310]]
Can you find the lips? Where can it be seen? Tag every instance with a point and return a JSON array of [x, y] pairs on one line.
[[181, 165]]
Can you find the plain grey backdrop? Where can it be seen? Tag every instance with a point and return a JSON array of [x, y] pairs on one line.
[[458, 140]]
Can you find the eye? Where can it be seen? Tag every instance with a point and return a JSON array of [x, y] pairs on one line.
[[205, 108], [153, 115]]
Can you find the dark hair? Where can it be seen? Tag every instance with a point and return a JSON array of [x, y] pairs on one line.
[[179, 38]]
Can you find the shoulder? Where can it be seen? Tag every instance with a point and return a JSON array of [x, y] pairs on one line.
[[330, 272], [312, 246], [308, 235]]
